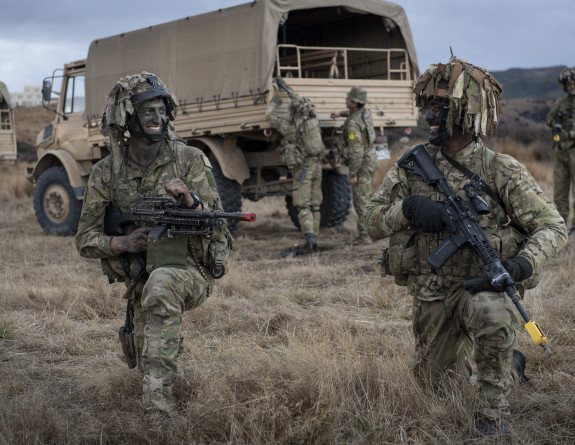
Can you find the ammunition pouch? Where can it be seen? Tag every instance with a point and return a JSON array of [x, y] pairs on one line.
[[218, 256], [400, 258], [166, 252], [291, 155]]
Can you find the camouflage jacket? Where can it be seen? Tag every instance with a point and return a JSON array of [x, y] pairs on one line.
[[299, 144], [524, 203], [565, 106], [358, 137], [105, 187]]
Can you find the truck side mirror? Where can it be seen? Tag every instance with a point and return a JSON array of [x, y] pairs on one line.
[[46, 90]]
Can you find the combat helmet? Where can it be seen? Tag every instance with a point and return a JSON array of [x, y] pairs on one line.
[[472, 94], [357, 95], [127, 93], [567, 76], [130, 91], [301, 109]]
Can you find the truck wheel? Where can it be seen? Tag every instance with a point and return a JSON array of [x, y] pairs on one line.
[[230, 193], [336, 201], [55, 205]]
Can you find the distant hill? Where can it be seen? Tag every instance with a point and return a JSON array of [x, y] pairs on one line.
[[534, 83]]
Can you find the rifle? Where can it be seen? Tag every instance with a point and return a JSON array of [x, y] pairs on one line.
[[465, 216], [557, 130]]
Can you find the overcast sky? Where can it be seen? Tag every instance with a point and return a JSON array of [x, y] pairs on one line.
[[38, 36]]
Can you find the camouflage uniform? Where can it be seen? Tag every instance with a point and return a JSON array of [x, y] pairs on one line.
[[448, 322], [161, 296], [564, 171], [303, 149], [358, 153]]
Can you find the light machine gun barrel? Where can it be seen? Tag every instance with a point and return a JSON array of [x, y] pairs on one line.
[[168, 217], [465, 215]]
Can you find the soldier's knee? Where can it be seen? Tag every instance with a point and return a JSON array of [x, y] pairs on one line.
[[162, 294]]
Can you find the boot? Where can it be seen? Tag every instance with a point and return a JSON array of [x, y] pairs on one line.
[[492, 427], [310, 242]]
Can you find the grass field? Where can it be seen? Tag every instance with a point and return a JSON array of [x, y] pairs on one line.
[[311, 350]]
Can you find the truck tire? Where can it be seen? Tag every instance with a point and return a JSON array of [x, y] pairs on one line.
[[230, 193], [336, 201], [56, 207]]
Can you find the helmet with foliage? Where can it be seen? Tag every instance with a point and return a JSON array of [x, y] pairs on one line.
[[301, 109], [130, 91], [121, 103], [357, 95], [567, 76], [471, 94]]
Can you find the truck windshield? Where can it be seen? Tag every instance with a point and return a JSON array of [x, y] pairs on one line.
[[75, 95]]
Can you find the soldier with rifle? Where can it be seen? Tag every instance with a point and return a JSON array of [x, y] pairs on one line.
[[164, 275], [561, 118], [468, 229]]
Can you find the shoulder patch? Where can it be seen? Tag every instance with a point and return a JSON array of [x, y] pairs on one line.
[[207, 162], [351, 136]]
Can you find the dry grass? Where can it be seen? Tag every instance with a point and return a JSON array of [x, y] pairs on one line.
[[306, 350]]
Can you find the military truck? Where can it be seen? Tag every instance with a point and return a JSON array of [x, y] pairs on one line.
[[8, 149], [221, 66]]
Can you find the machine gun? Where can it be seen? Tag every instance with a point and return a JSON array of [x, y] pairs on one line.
[[168, 218], [465, 216], [557, 128]]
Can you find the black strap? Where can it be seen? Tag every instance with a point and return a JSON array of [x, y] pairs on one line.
[[476, 177]]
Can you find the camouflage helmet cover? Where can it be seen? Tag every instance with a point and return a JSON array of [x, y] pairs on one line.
[[473, 94], [128, 92], [358, 95], [567, 75]]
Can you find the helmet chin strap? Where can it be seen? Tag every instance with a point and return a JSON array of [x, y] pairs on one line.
[[152, 137]]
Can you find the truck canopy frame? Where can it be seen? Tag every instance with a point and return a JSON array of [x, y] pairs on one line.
[[233, 52]]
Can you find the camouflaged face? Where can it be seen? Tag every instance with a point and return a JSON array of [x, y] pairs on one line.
[[474, 95]]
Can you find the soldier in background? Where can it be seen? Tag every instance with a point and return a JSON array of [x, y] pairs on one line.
[[452, 321], [358, 153], [302, 152], [152, 160], [561, 119]]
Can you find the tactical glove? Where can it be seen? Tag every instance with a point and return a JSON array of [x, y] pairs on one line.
[[277, 100], [428, 215], [519, 269]]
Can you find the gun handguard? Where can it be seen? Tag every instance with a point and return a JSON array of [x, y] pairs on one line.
[[465, 216]]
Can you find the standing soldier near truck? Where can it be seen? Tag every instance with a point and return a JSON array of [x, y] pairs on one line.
[[163, 277], [454, 318], [562, 120], [358, 153], [302, 151]]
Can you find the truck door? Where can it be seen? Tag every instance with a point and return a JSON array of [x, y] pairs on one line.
[[72, 130]]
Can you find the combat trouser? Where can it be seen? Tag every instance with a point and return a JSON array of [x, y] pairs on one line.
[[446, 331], [564, 180], [361, 191], [307, 196], [168, 292]]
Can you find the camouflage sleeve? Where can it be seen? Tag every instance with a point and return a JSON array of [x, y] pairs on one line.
[[90, 239], [529, 208], [354, 147], [383, 214], [550, 119], [279, 123]]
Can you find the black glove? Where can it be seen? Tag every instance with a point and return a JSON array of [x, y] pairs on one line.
[[428, 215], [519, 269]]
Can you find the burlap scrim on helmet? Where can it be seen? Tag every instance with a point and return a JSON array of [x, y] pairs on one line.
[[567, 75], [301, 109], [474, 95], [119, 106]]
